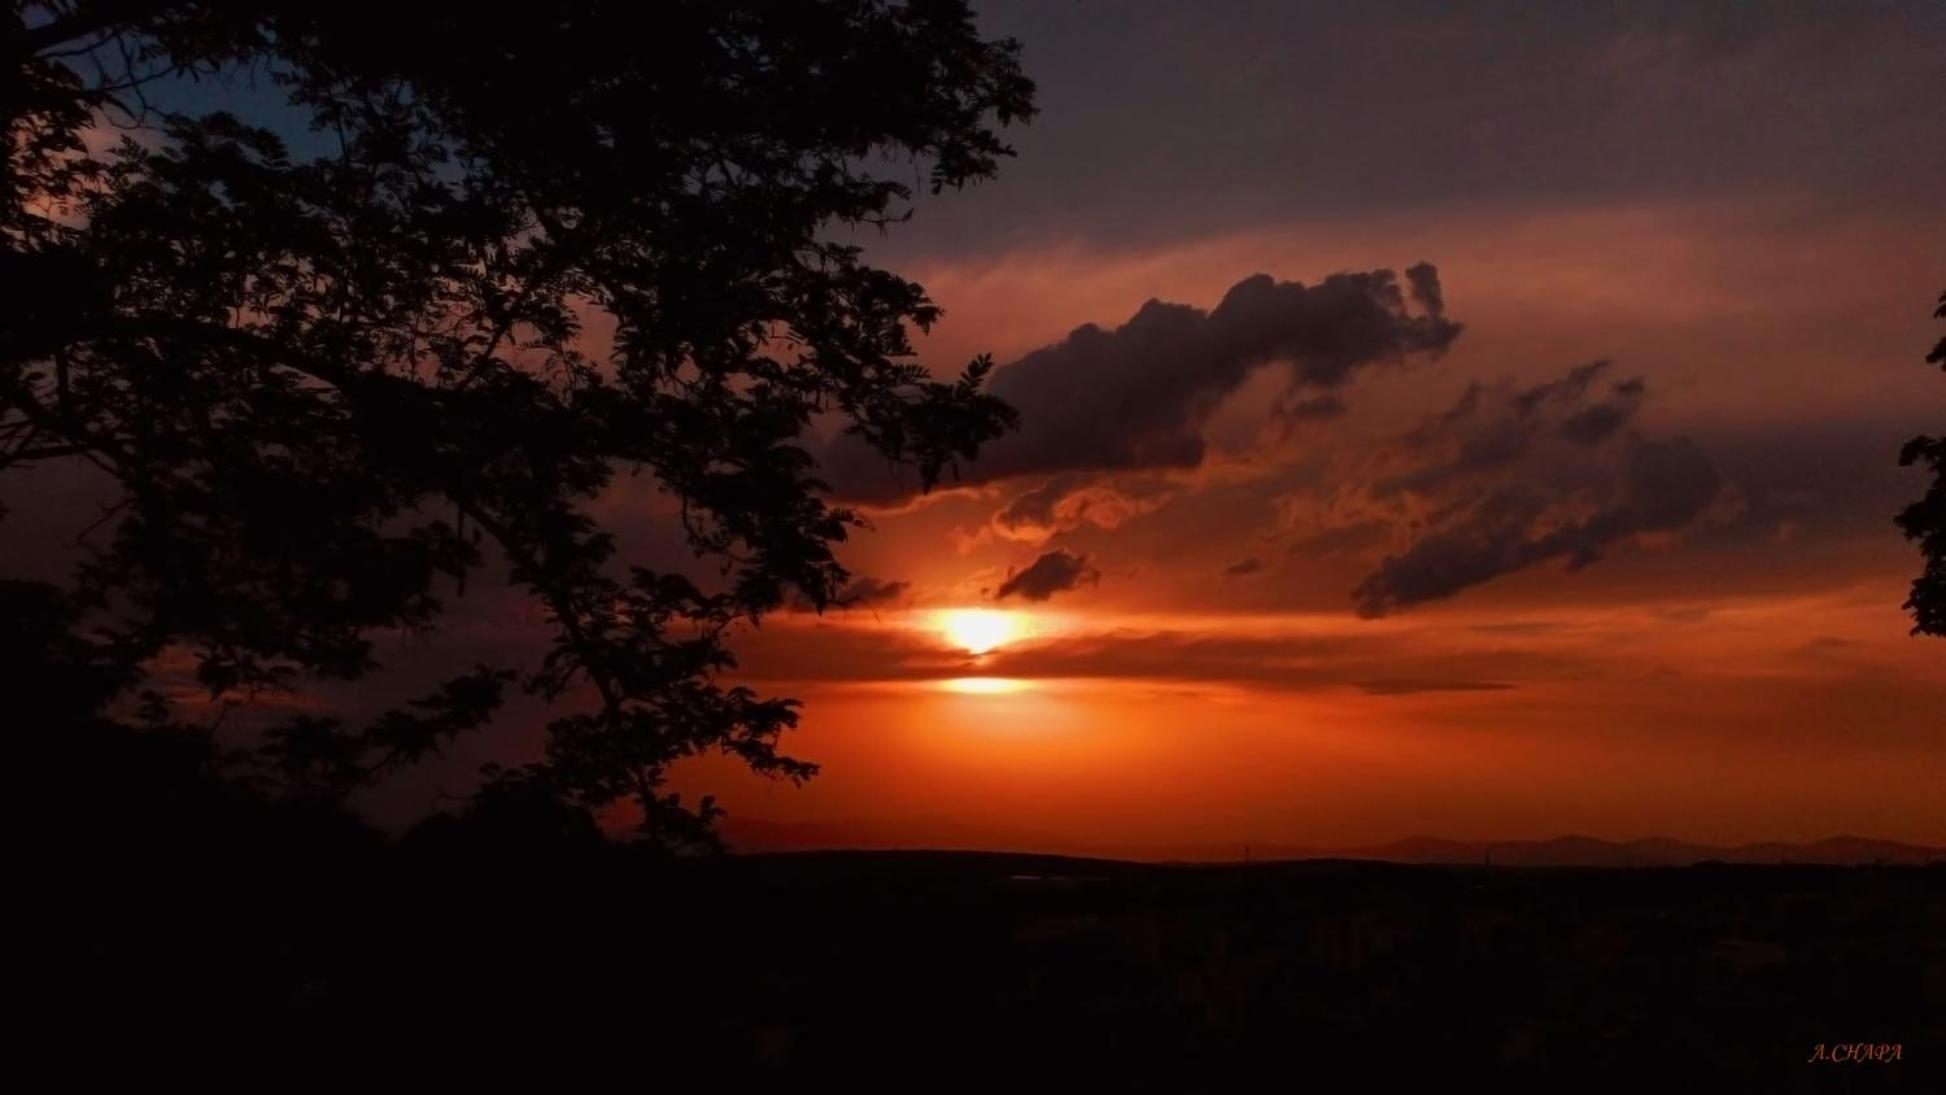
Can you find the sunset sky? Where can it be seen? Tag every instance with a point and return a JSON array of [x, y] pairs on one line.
[[1478, 421], [1738, 210], [1314, 566]]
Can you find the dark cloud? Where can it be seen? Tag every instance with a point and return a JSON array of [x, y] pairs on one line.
[[1424, 279], [1055, 572], [1492, 428], [1509, 478], [1664, 487], [1138, 396], [1293, 409], [872, 591], [1072, 499], [1243, 568], [1035, 506], [862, 592]]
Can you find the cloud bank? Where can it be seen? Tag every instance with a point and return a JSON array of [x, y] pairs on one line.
[[1138, 396], [1512, 477], [1055, 572]]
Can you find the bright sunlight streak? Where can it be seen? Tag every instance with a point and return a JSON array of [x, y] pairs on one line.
[[979, 630], [983, 686]]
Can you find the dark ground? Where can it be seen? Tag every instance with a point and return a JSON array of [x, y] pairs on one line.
[[942, 971]]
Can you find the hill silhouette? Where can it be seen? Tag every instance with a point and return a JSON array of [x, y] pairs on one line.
[[756, 836]]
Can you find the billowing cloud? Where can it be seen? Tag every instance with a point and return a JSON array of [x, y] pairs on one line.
[[1511, 477], [1138, 396], [1070, 500], [1055, 572], [1490, 429]]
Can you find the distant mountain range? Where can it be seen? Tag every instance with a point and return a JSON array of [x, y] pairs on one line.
[[1587, 851], [1564, 851]]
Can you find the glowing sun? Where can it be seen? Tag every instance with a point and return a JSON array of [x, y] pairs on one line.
[[978, 630]]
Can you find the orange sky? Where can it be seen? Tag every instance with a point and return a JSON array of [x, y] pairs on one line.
[[1722, 719], [1747, 677], [1655, 597]]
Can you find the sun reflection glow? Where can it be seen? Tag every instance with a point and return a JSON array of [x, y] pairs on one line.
[[979, 630], [983, 686]]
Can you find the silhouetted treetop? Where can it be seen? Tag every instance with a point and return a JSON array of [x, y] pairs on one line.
[[1924, 521], [1938, 355], [330, 373]]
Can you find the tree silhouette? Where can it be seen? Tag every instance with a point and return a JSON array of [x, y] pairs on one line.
[[325, 388], [1924, 521]]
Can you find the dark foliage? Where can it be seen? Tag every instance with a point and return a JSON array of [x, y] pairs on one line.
[[1924, 521], [326, 388]]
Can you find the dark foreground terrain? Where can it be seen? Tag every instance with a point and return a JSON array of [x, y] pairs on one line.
[[940, 971]]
